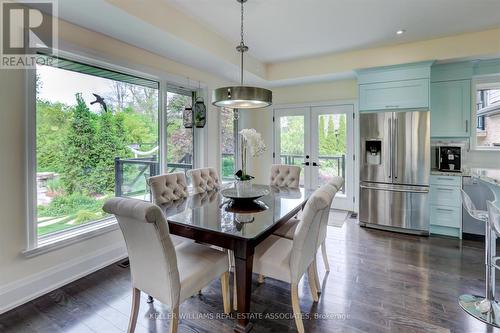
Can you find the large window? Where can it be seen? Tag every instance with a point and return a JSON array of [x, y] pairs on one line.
[[229, 142], [96, 137], [488, 115], [180, 140]]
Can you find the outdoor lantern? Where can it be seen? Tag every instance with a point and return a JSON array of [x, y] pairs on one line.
[[200, 113]]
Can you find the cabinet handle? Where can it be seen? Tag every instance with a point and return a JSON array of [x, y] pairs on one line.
[[445, 210], [466, 126], [445, 189], [392, 106], [443, 178]]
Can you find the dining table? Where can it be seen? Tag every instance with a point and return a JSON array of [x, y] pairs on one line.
[[236, 225]]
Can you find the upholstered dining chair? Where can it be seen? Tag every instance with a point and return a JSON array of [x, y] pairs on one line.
[[286, 259], [167, 189], [288, 229], [283, 175], [204, 179], [170, 274]]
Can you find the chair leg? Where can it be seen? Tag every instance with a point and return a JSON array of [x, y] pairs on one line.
[[312, 282], [235, 292], [226, 299], [261, 278], [174, 321], [296, 308], [325, 257], [316, 276], [134, 312]]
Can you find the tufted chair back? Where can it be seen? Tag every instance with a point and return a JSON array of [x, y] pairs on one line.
[[168, 187], [332, 188], [204, 179], [305, 240], [283, 175], [153, 260]]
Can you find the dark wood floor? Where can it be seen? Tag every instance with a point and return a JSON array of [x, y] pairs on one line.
[[379, 282]]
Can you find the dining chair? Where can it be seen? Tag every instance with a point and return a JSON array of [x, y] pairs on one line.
[[288, 229], [283, 175], [204, 179], [168, 273], [287, 260], [167, 189]]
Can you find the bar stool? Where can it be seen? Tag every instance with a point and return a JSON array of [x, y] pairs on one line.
[[485, 309]]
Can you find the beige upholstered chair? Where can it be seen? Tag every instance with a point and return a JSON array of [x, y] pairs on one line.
[[167, 189], [288, 259], [283, 175], [170, 274], [288, 229], [204, 180]]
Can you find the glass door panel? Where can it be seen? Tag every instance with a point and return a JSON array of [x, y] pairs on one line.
[[332, 148], [291, 139]]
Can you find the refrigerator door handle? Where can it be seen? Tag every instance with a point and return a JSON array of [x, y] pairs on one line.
[[390, 153], [413, 190], [395, 143]]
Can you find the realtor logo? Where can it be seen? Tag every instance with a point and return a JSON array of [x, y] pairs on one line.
[[28, 28]]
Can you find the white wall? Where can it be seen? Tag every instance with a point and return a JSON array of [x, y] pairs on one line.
[[22, 277]]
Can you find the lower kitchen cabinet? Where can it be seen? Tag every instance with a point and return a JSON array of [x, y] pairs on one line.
[[446, 206]]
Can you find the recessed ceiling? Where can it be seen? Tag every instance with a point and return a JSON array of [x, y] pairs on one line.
[[279, 30]]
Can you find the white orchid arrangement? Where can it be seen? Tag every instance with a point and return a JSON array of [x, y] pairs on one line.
[[250, 140]]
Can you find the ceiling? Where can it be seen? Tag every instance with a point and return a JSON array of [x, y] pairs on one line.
[[203, 33], [279, 30]]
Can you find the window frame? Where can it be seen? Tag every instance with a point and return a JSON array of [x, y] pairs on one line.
[[36, 245], [477, 82]]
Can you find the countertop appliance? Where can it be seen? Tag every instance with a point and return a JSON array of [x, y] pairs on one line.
[[394, 171], [447, 156]]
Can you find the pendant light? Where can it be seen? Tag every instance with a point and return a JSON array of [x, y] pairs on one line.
[[242, 97]]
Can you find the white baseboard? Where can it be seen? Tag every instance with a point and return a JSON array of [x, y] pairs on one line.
[[33, 286]]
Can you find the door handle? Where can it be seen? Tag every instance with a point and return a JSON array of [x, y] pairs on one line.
[[305, 163], [316, 164], [466, 126], [395, 145], [389, 121]]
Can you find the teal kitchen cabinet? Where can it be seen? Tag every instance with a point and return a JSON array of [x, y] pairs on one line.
[[446, 205], [451, 108], [406, 94]]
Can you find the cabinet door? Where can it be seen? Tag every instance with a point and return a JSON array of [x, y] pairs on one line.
[[450, 108], [408, 94]]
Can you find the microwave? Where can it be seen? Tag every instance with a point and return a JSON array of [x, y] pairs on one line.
[[448, 157]]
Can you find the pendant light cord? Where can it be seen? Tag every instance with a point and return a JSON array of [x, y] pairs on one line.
[[242, 48]]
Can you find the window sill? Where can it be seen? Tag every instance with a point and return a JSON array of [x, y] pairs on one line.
[[63, 239]]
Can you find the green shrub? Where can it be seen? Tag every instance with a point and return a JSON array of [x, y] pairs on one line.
[[70, 204], [55, 185], [84, 216]]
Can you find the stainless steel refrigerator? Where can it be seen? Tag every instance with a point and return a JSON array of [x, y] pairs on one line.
[[394, 171]]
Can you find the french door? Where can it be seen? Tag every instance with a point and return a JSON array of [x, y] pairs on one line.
[[320, 140]]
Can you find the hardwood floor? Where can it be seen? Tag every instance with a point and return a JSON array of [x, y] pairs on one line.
[[379, 282]]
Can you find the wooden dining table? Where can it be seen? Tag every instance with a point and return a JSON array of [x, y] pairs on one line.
[[211, 218]]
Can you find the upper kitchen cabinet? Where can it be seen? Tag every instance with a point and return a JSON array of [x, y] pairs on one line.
[[450, 108], [394, 87]]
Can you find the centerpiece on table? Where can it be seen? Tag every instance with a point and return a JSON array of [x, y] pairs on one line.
[[251, 142], [243, 193]]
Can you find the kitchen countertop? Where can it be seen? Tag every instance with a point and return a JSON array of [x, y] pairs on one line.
[[491, 176], [463, 173]]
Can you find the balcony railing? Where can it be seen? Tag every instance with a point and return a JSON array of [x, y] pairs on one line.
[[131, 174], [337, 162]]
